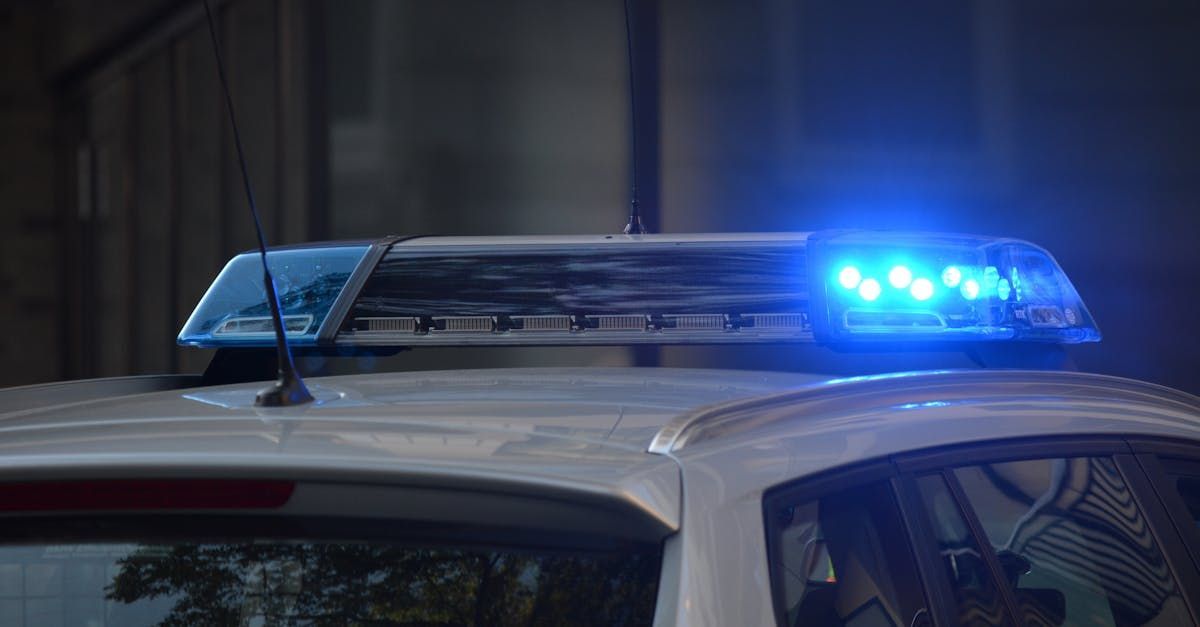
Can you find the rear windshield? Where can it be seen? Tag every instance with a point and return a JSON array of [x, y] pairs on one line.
[[322, 582]]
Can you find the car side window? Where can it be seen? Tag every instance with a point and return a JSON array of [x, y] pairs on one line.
[[1180, 489], [844, 559], [1184, 476], [976, 595], [1071, 542], [1189, 490]]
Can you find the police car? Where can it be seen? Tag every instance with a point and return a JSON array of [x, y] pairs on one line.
[[614, 496]]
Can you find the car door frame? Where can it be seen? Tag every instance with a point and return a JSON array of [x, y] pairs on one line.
[[1149, 453], [1163, 526], [1134, 458], [815, 487]]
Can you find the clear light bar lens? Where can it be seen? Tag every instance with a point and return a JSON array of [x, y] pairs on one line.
[[947, 287], [234, 311]]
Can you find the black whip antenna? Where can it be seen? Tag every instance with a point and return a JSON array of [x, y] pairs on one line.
[[635, 226], [289, 389]]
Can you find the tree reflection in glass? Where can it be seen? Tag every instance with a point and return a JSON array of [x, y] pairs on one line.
[[348, 583]]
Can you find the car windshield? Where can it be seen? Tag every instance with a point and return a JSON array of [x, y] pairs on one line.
[[281, 582]]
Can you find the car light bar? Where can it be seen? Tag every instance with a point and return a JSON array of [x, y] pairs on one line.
[[234, 311], [889, 286], [829, 287]]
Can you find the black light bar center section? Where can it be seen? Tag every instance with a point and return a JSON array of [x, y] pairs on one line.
[[618, 293]]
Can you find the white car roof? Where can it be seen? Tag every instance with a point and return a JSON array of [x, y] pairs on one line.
[[762, 442], [586, 431], [541, 431]]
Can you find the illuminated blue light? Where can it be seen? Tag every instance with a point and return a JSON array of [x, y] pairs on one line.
[[922, 289], [970, 289], [900, 277], [869, 289], [849, 277], [990, 277], [951, 286], [951, 276]]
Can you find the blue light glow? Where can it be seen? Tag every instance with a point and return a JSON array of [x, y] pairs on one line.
[[900, 277], [919, 286], [951, 276], [849, 277], [922, 289], [970, 289], [869, 289], [990, 276]]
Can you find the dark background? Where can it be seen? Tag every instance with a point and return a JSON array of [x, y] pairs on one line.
[[1073, 124]]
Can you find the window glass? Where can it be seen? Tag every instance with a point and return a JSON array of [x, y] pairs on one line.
[[977, 598], [1072, 543], [1189, 491], [334, 583], [1184, 475], [844, 559]]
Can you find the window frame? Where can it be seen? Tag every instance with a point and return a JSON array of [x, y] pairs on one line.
[[1163, 527], [817, 486], [1136, 459], [948, 610], [250, 527], [1154, 455], [942, 607]]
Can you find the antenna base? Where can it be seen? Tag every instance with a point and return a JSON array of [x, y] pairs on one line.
[[285, 392], [635, 226]]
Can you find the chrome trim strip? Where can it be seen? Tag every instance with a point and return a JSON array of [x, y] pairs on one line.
[[619, 322], [695, 322], [541, 324], [464, 324], [399, 324]]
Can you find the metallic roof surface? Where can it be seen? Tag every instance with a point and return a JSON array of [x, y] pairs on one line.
[[543, 432]]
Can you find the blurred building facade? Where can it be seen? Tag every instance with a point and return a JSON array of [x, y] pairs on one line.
[[1075, 125]]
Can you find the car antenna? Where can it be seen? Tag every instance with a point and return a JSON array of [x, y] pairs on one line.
[[635, 226], [289, 389]]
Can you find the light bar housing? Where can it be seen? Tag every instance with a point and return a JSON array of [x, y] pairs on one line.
[[308, 279], [646, 289], [878, 286]]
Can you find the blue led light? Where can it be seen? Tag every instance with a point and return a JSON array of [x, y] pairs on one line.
[[849, 277], [922, 289], [970, 289], [951, 276], [1003, 289], [869, 289], [990, 277], [900, 277], [926, 286]]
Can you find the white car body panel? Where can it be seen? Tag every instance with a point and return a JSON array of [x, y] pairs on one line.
[[751, 446], [563, 433], [693, 449]]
